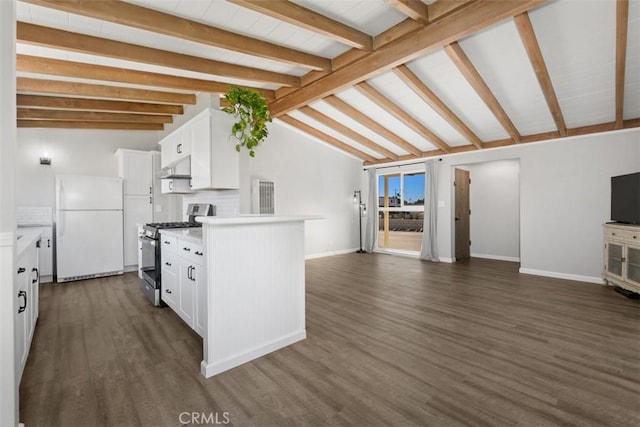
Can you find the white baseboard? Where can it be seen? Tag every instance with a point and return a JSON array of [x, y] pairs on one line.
[[130, 268], [211, 369], [331, 253], [445, 259], [496, 257], [556, 275]]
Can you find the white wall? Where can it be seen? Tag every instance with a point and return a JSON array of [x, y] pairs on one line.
[[495, 209], [311, 178], [564, 199], [73, 151], [8, 385]]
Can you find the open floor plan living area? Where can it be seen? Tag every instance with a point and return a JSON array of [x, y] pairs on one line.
[[315, 213]]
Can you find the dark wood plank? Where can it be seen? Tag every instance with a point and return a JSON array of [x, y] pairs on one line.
[[391, 341]]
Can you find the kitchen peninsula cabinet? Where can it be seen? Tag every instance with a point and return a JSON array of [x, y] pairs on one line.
[[255, 288]]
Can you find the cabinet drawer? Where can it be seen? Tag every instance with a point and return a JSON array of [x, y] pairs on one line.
[[632, 236], [191, 251], [169, 243], [614, 233], [170, 263]]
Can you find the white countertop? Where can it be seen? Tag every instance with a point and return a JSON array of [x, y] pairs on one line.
[[193, 234], [29, 236], [253, 219]]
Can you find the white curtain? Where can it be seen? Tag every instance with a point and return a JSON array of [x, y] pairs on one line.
[[371, 234], [429, 250]]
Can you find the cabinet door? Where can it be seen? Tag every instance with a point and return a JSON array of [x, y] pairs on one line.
[[137, 210], [186, 307], [170, 281], [201, 152], [45, 256], [21, 316], [614, 254], [175, 147], [137, 173], [176, 186], [633, 265]]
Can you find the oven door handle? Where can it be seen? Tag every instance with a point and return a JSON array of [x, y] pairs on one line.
[[149, 240]]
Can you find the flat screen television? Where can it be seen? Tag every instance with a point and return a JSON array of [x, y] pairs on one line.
[[625, 198]]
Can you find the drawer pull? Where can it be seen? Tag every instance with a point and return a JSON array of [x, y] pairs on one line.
[[166, 242], [168, 291], [21, 270], [200, 253], [167, 263], [186, 249]]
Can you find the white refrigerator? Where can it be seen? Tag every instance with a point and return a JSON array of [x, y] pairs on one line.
[[89, 229]]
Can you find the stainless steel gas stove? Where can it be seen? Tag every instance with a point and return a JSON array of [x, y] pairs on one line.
[[151, 257]]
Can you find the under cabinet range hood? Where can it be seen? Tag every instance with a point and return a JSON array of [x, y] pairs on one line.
[[180, 169]]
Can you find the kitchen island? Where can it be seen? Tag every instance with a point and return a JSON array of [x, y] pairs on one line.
[[255, 283]]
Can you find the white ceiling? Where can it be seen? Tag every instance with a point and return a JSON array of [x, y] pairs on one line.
[[577, 40]]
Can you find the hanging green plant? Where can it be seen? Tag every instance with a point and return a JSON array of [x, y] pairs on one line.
[[251, 111]]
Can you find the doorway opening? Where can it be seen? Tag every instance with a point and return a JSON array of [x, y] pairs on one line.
[[486, 213]]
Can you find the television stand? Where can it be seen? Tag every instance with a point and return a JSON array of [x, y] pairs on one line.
[[622, 257]]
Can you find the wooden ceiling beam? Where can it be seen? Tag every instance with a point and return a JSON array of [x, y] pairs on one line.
[[58, 67], [544, 136], [622, 24], [309, 20], [325, 138], [397, 31], [356, 115], [348, 132], [463, 22], [90, 116], [528, 36], [436, 103], [469, 71], [55, 124], [132, 15], [441, 8], [414, 9], [86, 104], [406, 118], [27, 84], [76, 42]]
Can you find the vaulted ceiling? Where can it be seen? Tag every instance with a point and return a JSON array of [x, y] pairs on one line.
[[383, 80]]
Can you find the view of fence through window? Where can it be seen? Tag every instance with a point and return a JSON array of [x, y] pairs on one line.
[[401, 211]]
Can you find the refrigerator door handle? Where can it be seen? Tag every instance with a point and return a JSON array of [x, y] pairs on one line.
[[61, 225]]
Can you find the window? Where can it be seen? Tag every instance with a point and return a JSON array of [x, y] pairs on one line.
[[401, 211]]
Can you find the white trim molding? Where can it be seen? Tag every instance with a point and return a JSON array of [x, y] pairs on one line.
[[330, 253], [496, 257], [566, 276]]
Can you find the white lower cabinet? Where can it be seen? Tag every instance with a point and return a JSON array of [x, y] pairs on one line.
[[27, 291], [184, 281]]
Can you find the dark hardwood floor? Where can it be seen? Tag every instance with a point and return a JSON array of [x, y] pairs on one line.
[[391, 341]]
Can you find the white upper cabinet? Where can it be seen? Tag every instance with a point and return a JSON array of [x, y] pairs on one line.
[[136, 167], [176, 146], [215, 162]]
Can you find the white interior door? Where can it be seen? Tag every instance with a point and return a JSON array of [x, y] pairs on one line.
[[88, 243]]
